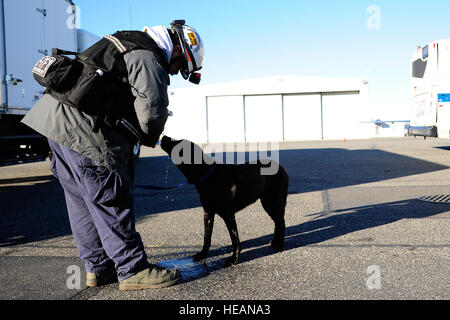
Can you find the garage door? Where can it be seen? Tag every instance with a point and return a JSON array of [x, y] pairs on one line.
[[341, 115], [226, 119], [302, 117], [263, 118]]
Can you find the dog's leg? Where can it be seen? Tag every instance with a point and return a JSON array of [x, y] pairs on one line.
[[277, 242], [280, 226], [230, 222], [208, 220], [275, 207]]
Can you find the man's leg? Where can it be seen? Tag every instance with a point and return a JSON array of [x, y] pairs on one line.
[[109, 200], [85, 234]]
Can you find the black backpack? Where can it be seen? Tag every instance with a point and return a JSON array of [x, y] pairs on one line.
[[96, 80]]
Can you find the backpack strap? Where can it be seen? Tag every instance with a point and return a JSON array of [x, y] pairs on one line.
[[116, 42], [57, 51], [126, 41]]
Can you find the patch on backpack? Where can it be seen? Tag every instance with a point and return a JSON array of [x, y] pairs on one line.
[[43, 65]]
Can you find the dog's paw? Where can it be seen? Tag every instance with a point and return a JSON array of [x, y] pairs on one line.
[[277, 245], [199, 256], [231, 261]]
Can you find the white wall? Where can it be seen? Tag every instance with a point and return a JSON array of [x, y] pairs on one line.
[[271, 109]]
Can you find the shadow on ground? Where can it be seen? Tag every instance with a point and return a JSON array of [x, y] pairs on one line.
[[320, 228], [36, 211]]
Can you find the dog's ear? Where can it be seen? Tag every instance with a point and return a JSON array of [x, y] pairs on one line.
[[165, 139], [165, 143]]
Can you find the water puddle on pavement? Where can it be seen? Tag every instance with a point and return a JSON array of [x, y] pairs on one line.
[[190, 270]]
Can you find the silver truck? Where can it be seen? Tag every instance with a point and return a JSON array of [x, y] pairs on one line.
[[29, 29]]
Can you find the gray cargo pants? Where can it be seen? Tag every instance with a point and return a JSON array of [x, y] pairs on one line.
[[100, 207]]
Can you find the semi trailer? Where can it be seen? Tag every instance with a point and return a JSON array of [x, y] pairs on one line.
[[29, 29]]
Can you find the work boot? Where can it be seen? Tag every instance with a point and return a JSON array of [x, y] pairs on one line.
[[101, 278], [151, 278]]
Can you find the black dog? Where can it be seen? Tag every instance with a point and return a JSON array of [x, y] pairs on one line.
[[227, 188]]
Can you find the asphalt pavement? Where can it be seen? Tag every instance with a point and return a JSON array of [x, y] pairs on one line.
[[356, 229]]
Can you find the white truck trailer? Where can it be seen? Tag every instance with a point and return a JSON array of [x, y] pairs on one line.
[[30, 29], [430, 90]]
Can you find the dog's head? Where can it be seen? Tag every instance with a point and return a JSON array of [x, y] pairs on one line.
[[167, 144], [187, 156]]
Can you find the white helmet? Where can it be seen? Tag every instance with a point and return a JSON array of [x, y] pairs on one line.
[[193, 51]]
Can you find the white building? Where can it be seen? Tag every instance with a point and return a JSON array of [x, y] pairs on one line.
[[281, 108]]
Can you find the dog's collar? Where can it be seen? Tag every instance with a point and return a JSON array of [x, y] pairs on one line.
[[206, 176]]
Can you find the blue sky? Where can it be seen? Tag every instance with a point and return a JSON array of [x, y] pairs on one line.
[[256, 38]]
